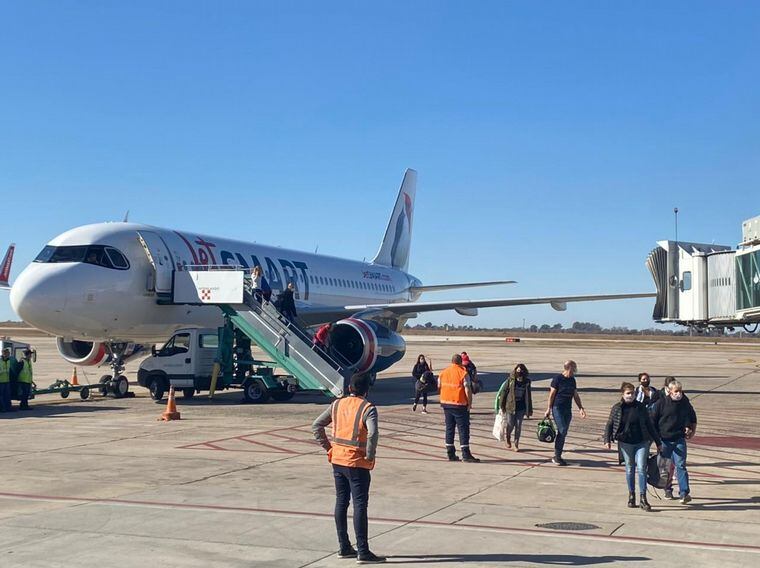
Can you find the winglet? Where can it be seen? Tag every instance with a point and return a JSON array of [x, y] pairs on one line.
[[5, 267], [394, 250]]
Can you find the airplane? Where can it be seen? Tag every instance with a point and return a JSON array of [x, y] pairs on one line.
[[104, 290]]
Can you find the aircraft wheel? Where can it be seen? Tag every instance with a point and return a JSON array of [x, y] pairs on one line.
[[120, 386], [104, 381], [254, 390]]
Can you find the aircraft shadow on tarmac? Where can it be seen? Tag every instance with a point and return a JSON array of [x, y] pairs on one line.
[[552, 559], [57, 411]]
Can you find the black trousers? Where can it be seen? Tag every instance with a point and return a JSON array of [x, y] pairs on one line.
[[457, 417], [23, 394], [352, 483]]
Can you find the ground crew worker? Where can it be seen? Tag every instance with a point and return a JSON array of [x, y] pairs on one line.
[[7, 366], [25, 378], [456, 401], [352, 455]]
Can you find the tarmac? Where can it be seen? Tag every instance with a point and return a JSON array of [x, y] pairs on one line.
[[104, 483]]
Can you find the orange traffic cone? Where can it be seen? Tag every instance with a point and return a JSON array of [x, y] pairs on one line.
[[74, 380], [171, 408]]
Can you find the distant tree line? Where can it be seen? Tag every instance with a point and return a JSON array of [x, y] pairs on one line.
[[578, 327]]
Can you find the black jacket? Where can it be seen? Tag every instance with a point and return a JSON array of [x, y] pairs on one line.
[[614, 423], [287, 302], [420, 369], [671, 417]]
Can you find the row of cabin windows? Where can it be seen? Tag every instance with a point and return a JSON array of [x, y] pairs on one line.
[[354, 284]]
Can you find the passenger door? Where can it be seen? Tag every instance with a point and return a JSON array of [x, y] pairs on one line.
[[160, 258]]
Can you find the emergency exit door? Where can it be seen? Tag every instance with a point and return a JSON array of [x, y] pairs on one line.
[[160, 259]]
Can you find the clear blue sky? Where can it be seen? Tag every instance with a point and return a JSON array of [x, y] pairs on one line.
[[552, 139]]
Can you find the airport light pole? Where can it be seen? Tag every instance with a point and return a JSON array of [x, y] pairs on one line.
[[675, 214]]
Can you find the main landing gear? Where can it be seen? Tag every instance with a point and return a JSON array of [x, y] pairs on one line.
[[116, 383]]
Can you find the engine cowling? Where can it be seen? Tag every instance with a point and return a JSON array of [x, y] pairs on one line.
[[90, 353], [366, 345]]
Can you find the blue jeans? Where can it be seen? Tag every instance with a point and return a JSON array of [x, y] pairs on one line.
[[635, 456], [676, 450], [563, 415], [24, 389], [352, 483], [5, 397]]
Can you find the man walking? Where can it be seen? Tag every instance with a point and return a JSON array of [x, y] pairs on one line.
[[456, 400], [352, 455], [675, 420], [562, 392]]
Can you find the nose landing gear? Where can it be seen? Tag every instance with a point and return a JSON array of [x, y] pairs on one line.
[[116, 383]]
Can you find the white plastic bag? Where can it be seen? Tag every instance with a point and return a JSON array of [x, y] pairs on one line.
[[499, 427]]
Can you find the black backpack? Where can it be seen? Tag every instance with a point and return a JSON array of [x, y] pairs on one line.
[[658, 471]]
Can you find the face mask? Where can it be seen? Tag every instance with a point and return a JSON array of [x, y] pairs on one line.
[[628, 397], [676, 395]]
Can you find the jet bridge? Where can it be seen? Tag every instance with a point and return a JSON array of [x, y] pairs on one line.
[[707, 285], [289, 346]]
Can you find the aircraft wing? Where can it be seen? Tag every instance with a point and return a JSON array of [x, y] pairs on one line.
[[464, 307]]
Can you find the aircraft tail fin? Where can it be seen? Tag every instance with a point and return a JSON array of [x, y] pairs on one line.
[[394, 250], [5, 267]]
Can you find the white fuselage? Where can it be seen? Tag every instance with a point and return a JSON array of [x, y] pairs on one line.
[[80, 300]]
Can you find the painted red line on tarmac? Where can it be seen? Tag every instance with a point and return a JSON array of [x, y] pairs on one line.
[[395, 521], [264, 444]]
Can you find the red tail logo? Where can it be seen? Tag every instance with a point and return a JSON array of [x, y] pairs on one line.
[[5, 270]]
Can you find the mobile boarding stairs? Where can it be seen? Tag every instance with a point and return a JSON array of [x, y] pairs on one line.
[[283, 341]]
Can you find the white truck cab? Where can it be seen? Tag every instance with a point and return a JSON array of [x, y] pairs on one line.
[[185, 362]]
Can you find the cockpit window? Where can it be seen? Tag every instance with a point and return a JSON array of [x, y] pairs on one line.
[[98, 255], [117, 259]]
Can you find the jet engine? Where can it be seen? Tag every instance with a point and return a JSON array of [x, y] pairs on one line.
[[365, 345], [89, 353]]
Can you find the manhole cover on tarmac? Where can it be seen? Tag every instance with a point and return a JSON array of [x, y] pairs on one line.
[[568, 526]]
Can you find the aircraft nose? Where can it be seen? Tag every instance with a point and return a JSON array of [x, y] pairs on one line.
[[38, 297]]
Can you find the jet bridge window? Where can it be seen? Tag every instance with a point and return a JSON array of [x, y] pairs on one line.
[[99, 255], [686, 281]]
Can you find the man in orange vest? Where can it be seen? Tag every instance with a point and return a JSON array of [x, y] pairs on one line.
[[352, 455], [456, 400]]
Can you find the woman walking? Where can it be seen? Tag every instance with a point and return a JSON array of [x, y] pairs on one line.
[[516, 402], [423, 375], [631, 426]]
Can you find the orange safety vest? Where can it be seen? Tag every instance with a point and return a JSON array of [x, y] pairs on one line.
[[452, 385], [349, 433]]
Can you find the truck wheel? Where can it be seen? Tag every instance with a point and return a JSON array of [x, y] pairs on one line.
[[188, 393], [157, 388], [282, 396], [84, 394], [254, 390], [120, 386]]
